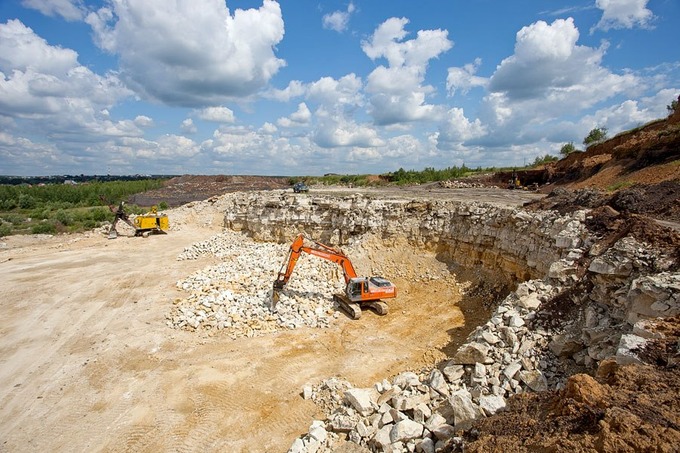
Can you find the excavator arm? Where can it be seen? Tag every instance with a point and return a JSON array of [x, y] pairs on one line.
[[317, 249], [358, 290]]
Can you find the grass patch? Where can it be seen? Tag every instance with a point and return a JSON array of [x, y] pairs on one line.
[[619, 185]]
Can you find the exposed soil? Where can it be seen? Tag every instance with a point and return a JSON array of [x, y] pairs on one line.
[[626, 409], [183, 189]]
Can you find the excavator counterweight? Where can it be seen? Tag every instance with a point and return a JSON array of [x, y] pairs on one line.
[[359, 291]]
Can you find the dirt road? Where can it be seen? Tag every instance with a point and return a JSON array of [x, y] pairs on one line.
[[87, 362]]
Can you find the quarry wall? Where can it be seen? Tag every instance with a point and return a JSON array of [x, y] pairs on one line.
[[504, 240]]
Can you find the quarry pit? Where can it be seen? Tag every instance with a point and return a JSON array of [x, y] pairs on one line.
[[169, 344]]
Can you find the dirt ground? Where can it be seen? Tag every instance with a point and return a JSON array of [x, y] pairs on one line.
[[87, 362]]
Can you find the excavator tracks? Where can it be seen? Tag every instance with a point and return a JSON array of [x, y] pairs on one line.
[[354, 309], [378, 306]]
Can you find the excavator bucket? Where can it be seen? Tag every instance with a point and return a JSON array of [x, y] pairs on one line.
[[275, 296], [113, 234]]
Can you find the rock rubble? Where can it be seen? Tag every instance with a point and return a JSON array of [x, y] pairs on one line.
[[423, 411], [236, 295]]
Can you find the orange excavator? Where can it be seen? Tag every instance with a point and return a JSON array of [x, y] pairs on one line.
[[359, 292]]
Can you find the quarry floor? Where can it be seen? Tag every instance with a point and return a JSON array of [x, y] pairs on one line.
[[87, 362]]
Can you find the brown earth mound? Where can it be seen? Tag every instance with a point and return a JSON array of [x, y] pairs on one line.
[[184, 189], [627, 409]]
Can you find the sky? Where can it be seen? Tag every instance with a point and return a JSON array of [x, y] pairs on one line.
[[300, 87]]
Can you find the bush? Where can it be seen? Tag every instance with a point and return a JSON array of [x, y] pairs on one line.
[[26, 201], [63, 217], [44, 228], [567, 149], [5, 229], [100, 214], [162, 206], [14, 219]]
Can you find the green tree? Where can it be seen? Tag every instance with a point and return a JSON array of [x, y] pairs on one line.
[[540, 160], [596, 135], [567, 149], [673, 107]]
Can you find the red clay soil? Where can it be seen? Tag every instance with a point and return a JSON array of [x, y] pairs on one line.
[[623, 409]]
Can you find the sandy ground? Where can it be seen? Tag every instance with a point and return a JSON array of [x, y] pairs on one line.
[[87, 362]]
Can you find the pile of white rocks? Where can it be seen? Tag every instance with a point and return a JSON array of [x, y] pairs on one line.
[[423, 411], [453, 184], [235, 295]]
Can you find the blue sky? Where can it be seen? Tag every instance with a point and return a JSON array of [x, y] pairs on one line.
[[300, 87]]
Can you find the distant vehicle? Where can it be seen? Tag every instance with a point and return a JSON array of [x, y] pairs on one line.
[[300, 187]]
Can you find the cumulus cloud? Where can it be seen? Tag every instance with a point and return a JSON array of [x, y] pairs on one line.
[[45, 86], [398, 92], [338, 20], [188, 126], [217, 114], [339, 132], [464, 79], [342, 93], [300, 117], [143, 121], [623, 14], [457, 129], [549, 68], [294, 89], [70, 10], [191, 52]]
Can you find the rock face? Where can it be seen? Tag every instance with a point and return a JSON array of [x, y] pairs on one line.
[[510, 241]]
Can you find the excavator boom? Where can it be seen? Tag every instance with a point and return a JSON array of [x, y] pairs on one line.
[[358, 290]]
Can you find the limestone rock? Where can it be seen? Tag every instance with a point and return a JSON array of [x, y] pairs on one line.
[[406, 430], [491, 404], [627, 350], [360, 399], [464, 410], [471, 353]]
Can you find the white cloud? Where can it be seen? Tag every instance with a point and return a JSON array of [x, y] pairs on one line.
[[217, 115], [190, 52], [300, 117], [294, 89], [70, 10], [338, 132], [551, 70], [188, 126], [457, 129], [338, 20], [623, 14], [387, 41], [397, 92], [342, 93], [268, 128], [464, 79], [143, 121], [46, 86]]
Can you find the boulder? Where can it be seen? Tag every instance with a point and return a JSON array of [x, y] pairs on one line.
[[464, 410], [491, 404], [360, 399], [406, 430], [471, 353]]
